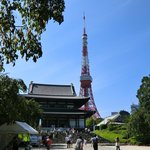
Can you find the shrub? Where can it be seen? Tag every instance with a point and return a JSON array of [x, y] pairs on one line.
[[111, 127], [103, 126]]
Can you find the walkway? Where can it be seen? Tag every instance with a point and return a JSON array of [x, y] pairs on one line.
[[89, 147]]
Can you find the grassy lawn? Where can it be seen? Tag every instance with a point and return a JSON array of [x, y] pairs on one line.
[[110, 135]]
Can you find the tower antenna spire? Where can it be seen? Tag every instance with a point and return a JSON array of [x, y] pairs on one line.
[[84, 24]]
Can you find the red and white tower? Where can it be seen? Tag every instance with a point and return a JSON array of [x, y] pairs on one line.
[[85, 78]]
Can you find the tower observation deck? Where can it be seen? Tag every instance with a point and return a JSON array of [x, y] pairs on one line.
[[85, 78]]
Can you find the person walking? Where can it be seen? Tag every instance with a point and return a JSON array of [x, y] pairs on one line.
[[85, 141], [79, 143], [48, 142], [117, 143], [95, 142], [68, 141]]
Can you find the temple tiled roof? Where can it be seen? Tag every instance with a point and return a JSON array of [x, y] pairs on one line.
[[51, 90]]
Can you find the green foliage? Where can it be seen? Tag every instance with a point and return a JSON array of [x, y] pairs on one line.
[[90, 122], [98, 120], [113, 131], [133, 141], [14, 107], [24, 37], [110, 135], [103, 126], [143, 94], [111, 127], [30, 111], [139, 125]]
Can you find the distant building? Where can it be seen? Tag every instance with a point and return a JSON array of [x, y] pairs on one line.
[[113, 113], [134, 108], [113, 119]]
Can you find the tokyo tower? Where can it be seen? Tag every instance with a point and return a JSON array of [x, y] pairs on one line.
[[86, 79]]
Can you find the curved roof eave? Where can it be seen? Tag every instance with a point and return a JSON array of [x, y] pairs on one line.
[[52, 97]]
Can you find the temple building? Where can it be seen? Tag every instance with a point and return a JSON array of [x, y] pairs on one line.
[[60, 104]]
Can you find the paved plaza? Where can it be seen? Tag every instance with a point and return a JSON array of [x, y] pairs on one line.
[[89, 147]]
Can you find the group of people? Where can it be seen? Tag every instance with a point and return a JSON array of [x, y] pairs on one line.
[[94, 140], [16, 141], [80, 142], [46, 140]]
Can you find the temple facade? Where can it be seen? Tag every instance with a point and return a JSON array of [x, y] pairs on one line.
[[60, 104]]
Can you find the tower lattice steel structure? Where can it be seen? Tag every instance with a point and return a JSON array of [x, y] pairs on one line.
[[86, 79]]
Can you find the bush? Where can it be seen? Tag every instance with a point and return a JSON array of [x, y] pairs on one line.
[[103, 126], [132, 141], [111, 127]]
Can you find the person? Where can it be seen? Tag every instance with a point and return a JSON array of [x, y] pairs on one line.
[[48, 142], [85, 142], [70, 138], [117, 143], [95, 142], [79, 143], [68, 141], [44, 137]]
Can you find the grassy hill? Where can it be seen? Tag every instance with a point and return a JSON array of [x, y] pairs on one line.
[[113, 131]]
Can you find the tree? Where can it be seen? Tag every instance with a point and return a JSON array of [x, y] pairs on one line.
[[90, 122], [139, 124], [139, 127], [30, 111], [125, 115], [20, 36], [14, 107], [143, 94]]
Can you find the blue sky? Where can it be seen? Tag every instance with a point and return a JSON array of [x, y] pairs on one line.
[[118, 47]]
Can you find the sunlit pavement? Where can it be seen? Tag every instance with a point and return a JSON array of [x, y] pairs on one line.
[[89, 147]]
